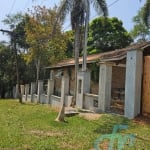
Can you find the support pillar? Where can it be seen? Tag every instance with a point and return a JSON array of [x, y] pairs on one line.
[[33, 90], [66, 89], [14, 92], [22, 88], [50, 90], [40, 90], [83, 86], [26, 92], [17, 91], [133, 83], [63, 83], [105, 79], [22, 92]]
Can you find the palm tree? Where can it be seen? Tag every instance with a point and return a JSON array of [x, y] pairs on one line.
[[146, 13], [79, 12]]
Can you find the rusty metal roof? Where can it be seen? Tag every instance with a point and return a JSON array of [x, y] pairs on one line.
[[117, 54]]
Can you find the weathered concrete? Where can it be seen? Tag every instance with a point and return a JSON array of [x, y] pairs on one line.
[[22, 88], [27, 92], [66, 89], [63, 84], [55, 101], [50, 90], [14, 91], [40, 90], [43, 98], [90, 102], [17, 91], [32, 90], [105, 78], [83, 86], [134, 69]]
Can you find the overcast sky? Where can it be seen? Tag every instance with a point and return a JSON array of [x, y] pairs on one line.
[[123, 9]]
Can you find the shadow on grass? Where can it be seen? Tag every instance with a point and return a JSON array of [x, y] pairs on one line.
[[107, 122]]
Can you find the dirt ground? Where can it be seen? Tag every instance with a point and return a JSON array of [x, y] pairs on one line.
[[142, 119], [90, 116]]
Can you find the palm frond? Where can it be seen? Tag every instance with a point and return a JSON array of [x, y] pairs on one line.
[[146, 13], [64, 8], [77, 13], [100, 6]]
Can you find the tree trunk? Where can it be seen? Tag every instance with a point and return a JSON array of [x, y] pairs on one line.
[[61, 115], [19, 96], [38, 64], [84, 67], [76, 52]]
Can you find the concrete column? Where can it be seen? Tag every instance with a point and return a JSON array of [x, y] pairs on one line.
[[32, 91], [40, 90], [26, 91], [83, 86], [22, 88], [50, 90], [14, 91], [52, 74], [63, 84], [66, 89], [105, 79], [17, 91], [134, 67], [22, 92]]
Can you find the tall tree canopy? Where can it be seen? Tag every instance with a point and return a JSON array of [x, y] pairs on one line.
[[107, 34], [140, 30], [12, 21], [146, 13], [7, 70], [44, 49]]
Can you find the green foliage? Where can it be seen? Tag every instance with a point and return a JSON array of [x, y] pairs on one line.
[[140, 30], [107, 34], [13, 20], [69, 50], [20, 34], [17, 40], [16, 23], [7, 70], [42, 45], [94, 71], [45, 48], [146, 13]]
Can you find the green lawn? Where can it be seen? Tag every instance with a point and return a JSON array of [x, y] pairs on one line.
[[32, 127]]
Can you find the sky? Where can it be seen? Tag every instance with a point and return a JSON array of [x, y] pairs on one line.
[[124, 10]]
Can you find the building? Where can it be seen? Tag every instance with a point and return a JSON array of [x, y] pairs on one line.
[[122, 75]]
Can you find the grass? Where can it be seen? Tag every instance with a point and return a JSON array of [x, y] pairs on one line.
[[32, 127]]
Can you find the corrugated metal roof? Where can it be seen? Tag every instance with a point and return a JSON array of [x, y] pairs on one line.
[[117, 54]]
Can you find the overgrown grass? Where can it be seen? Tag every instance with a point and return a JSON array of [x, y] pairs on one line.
[[33, 127]]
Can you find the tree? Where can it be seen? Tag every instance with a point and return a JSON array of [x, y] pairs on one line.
[[146, 13], [69, 50], [79, 12], [21, 35], [7, 71], [43, 48], [107, 34], [12, 21], [140, 31]]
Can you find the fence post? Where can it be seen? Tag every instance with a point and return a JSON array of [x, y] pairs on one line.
[[50, 90], [40, 90]]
